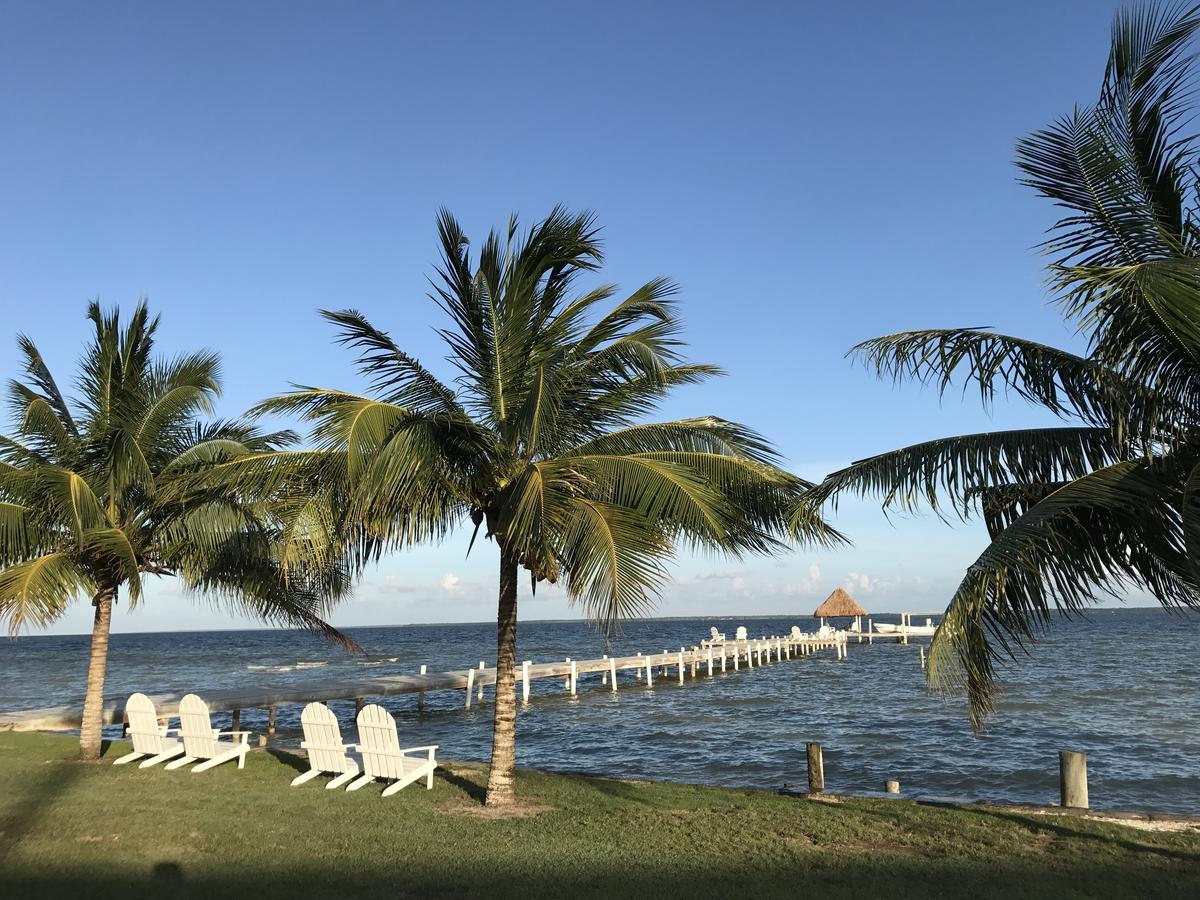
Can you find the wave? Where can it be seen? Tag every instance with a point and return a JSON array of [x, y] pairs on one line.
[[289, 668]]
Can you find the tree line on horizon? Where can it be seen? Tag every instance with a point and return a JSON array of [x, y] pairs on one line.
[[545, 439]]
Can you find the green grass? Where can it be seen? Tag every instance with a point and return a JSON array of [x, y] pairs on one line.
[[93, 830]]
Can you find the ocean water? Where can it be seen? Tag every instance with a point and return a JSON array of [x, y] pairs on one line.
[[1123, 685]]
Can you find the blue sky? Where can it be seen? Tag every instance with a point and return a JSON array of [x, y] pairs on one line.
[[811, 174]]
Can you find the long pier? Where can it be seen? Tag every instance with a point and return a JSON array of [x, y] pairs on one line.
[[707, 657]]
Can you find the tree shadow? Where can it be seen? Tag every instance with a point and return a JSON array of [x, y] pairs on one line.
[[37, 793], [467, 786], [289, 759]]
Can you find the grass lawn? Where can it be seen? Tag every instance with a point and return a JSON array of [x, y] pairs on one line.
[[93, 830]]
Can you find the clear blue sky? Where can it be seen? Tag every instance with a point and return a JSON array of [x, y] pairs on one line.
[[812, 174]]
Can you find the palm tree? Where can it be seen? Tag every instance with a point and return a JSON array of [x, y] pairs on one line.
[[541, 440], [98, 492], [1106, 501]]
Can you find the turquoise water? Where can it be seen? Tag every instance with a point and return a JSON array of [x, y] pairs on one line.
[[1122, 686]]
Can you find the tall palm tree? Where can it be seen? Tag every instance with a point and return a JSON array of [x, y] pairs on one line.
[[541, 440], [1107, 501], [97, 492]]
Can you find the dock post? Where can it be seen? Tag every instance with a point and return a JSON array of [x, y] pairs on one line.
[[749, 656], [470, 687], [481, 667], [574, 677], [681, 667], [271, 720], [649, 673], [870, 632], [235, 720], [710, 662], [612, 672], [638, 670], [524, 680], [891, 786], [735, 658], [421, 694], [922, 656], [816, 769], [358, 705], [724, 656], [604, 675], [1072, 778]]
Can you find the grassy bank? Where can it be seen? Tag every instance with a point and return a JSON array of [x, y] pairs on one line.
[[75, 829]]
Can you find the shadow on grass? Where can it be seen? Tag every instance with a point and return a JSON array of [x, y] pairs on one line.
[[474, 791], [56, 779], [289, 759]]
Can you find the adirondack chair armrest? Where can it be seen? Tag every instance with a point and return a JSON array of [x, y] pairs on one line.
[[428, 747], [244, 734], [305, 745]]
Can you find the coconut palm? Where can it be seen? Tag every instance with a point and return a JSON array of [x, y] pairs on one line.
[[1106, 501], [100, 491], [541, 440]]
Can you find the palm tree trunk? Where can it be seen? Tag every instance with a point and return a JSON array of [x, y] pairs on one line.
[[504, 728], [93, 703]]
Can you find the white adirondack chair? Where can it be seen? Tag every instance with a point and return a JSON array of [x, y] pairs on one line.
[[741, 633], [382, 756], [797, 634], [202, 741], [149, 738], [326, 752]]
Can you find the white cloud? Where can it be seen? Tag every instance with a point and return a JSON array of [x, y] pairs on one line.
[[451, 582]]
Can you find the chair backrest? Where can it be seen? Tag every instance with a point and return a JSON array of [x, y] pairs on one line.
[[323, 738], [143, 724], [716, 635], [797, 634], [378, 744], [195, 727], [826, 631], [741, 632]]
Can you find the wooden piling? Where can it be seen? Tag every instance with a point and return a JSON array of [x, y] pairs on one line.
[[235, 720], [681, 667], [604, 675], [649, 673], [612, 673], [816, 769], [359, 703], [524, 680], [481, 668], [710, 662], [574, 677], [1072, 778], [470, 687], [891, 786], [421, 694]]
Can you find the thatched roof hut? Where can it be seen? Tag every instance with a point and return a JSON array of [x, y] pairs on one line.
[[839, 605]]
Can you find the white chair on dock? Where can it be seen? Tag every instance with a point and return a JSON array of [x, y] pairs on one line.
[[149, 738], [797, 634], [741, 633], [716, 638], [326, 752], [382, 756], [202, 741]]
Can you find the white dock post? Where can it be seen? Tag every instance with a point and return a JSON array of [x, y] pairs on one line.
[[922, 657], [710, 662], [638, 670], [1072, 779], [604, 675], [681, 667], [567, 680], [524, 680], [749, 656], [724, 656], [735, 658], [574, 677], [470, 686], [421, 694], [649, 673], [870, 632], [612, 672], [481, 667]]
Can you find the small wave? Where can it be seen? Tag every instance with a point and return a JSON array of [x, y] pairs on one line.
[[290, 668]]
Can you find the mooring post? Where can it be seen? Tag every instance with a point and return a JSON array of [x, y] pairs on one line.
[[724, 655], [481, 666], [421, 694], [870, 632], [574, 677], [358, 706], [1072, 776], [922, 656], [681, 667], [816, 769], [612, 672], [235, 720], [891, 786], [470, 687], [567, 680], [638, 670], [524, 680], [649, 673], [710, 662], [604, 675], [735, 658]]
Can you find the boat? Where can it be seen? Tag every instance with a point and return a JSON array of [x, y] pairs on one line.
[[925, 630]]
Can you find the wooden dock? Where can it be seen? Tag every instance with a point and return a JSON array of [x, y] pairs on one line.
[[641, 670]]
